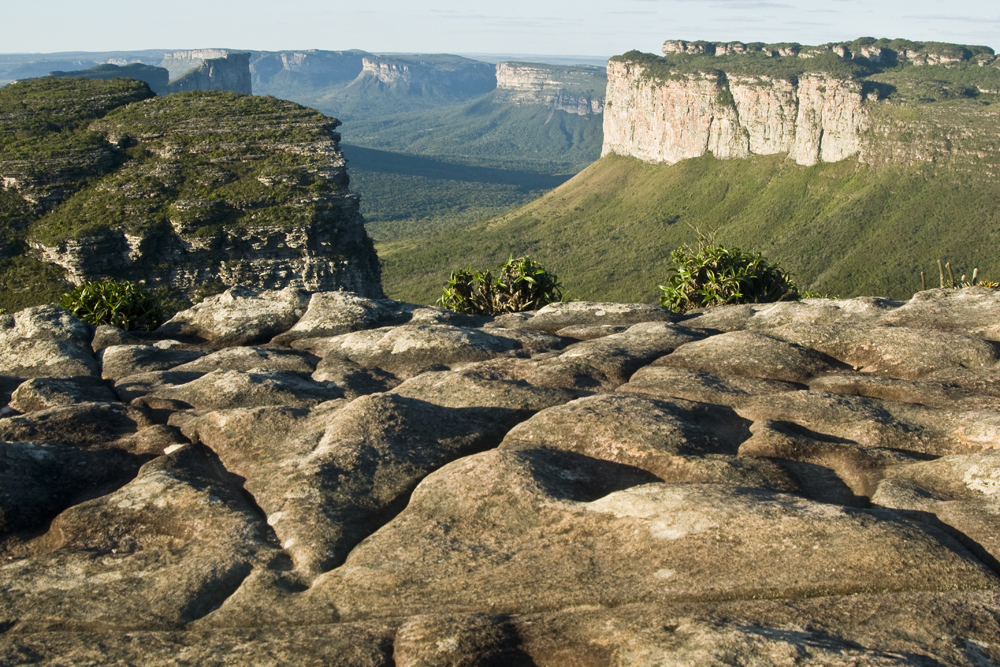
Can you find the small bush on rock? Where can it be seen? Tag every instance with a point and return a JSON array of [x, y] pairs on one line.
[[520, 284], [119, 303], [716, 275]]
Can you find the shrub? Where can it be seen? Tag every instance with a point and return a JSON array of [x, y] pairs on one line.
[[122, 304], [716, 275], [520, 284]]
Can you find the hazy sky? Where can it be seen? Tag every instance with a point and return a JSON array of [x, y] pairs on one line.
[[568, 27]]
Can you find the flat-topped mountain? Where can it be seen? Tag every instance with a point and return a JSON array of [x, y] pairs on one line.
[[105, 180], [862, 99], [285, 477], [856, 166]]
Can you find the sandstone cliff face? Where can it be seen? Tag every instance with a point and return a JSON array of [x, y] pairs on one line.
[[179, 63], [818, 118], [229, 72], [439, 74], [573, 90], [317, 69]]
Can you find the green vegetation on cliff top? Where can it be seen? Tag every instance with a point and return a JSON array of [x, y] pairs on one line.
[[84, 156]]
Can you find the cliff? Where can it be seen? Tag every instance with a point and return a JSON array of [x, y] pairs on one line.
[[435, 74], [816, 104], [230, 72], [576, 90], [186, 191], [816, 118], [302, 479], [179, 63], [309, 72]]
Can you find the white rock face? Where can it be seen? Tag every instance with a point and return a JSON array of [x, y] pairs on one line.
[[519, 83], [818, 119]]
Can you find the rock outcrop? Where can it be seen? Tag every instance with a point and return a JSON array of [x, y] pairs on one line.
[[209, 70], [808, 483], [444, 74], [815, 104], [816, 118], [577, 90], [194, 191]]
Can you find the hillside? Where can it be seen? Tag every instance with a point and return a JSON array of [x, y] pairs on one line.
[[854, 165], [841, 228]]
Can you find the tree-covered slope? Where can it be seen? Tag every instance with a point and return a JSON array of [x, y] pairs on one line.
[[843, 228]]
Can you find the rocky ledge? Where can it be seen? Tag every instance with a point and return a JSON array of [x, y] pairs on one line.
[[284, 477]]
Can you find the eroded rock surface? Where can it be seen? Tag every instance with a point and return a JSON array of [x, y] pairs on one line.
[[284, 478]]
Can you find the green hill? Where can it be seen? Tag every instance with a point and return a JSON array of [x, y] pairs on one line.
[[842, 228]]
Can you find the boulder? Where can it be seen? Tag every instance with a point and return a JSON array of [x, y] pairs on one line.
[[899, 352], [220, 390], [38, 480], [932, 394], [238, 316], [252, 359], [353, 379], [970, 311], [719, 388], [959, 493], [556, 316], [409, 350], [45, 341], [119, 361], [132, 387], [335, 313], [674, 441], [752, 354], [43, 393], [182, 542], [325, 490], [873, 423], [606, 363], [525, 531], [84, 425], [591, 331]]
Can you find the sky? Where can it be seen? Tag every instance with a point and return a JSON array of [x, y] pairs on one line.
[[554, 27]]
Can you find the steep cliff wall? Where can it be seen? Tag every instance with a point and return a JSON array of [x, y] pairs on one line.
[[181, 190], [879, 100], [179, 63], [577, 90], [302, 72], [230, 72], [815, 118], [236, 189]]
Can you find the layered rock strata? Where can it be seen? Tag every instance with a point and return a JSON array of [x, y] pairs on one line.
[[578, 90], [293, 477], [816, 118], [228, 71], [220, 189]]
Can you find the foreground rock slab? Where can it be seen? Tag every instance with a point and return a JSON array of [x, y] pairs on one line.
[[293, 478]]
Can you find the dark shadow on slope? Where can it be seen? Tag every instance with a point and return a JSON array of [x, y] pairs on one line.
[[387, 162]]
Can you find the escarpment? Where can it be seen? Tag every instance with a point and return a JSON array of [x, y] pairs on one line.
[[208, 69], [296, 477], [817, 118], [188, 191], [815, 104], [577, 90]]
